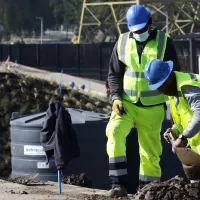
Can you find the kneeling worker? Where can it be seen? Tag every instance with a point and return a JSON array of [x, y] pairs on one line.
[[186, 114]]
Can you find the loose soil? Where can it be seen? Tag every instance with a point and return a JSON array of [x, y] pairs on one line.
[[80, 180]]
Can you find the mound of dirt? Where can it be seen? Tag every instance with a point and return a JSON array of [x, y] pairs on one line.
[[176, 188], [102, 197], [79, 180], [26, 95], [24, 180]]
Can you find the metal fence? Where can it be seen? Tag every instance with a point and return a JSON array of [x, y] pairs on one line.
[[86, 60]]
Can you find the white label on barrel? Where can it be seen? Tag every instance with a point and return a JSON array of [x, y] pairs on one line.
[[42, 165], [33, 150]]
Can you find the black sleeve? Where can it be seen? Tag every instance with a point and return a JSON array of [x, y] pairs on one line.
[[116, 74], [170, 54]]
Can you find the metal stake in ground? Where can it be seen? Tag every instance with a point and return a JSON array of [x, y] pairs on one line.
[[61, 83], [59, 182]]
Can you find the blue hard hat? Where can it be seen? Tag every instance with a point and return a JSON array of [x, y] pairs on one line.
[[156, 72], [137, 17], [82, 86], [72, 84]]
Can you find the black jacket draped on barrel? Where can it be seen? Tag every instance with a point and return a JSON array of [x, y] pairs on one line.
[[58, 137]]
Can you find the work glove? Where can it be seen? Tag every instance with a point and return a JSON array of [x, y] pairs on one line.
[[174, 133], [118, 107]]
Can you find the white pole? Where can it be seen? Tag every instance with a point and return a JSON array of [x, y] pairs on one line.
[[41, 30], [41, 21]]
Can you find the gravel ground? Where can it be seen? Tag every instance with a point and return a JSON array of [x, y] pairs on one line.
[[48, 191]]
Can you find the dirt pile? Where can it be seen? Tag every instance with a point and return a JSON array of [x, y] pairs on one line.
[[24, 180], [102, 197], [26, 95], [79, 180], [174, 189]]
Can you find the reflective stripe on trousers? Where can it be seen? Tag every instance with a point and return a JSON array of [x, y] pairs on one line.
[[118, 170], [148, 178], [117, 166]]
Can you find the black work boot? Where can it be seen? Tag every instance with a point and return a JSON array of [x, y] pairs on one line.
[[117, 191]]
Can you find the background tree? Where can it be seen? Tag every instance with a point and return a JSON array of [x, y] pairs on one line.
[[66, 11]]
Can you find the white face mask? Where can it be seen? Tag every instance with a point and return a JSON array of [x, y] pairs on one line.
[[141, 37]]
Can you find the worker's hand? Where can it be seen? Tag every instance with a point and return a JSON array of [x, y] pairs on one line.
[[177, 143], [166, 135], [118, 107], [174, 132]]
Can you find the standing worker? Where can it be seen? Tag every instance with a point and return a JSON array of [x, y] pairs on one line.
[[186, 87], [133, 103]]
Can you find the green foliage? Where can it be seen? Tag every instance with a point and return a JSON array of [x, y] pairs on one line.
[[20, 15], [67, 11]]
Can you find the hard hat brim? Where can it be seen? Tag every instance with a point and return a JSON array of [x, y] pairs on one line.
[[157, 85], [137, 27]]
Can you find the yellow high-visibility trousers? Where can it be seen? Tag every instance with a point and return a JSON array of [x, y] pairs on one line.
[[148, 121]]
